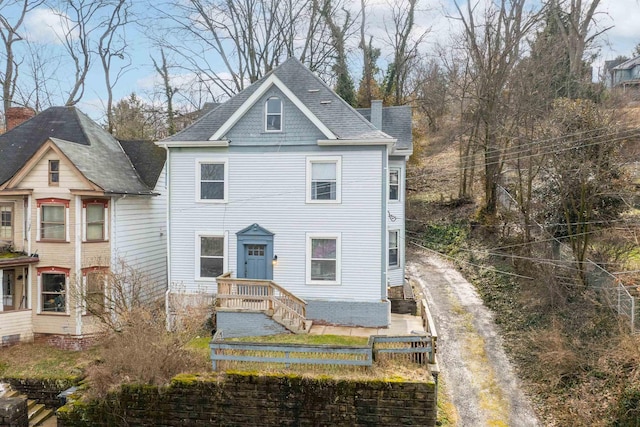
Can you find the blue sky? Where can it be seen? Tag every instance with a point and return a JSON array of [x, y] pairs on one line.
[[43, 28]]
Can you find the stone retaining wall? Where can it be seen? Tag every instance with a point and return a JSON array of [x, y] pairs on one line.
[[44, 391], [236, 399], [13, 412]]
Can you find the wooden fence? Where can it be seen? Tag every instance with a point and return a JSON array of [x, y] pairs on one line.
[[406, 349]]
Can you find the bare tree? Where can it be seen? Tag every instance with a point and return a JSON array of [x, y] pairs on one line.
[[344, 83], [404, 44], [169, 91], [93, 27], [575, 20], [368, 85], [230, 44], [113, 45], [493, 46], [9, 32]]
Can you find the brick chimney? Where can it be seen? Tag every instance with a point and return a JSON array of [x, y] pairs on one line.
[[376, 113], [17, 115]]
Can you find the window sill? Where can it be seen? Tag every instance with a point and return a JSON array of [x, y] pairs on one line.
[[206, 279], [323, 282], [95, 241], [212, 201], [52, 241], [323, 202], [53, 313]]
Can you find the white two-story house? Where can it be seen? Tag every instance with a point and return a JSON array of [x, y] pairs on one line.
[[286, 184], [75, 204]]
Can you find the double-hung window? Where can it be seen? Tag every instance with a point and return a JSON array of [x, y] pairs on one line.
[[212, 180], [210, 259], [6, 223], [53, 289], [95, 214], [394, 258], [54, 173], [394, 184], [323, 258], [273, 114], [53, 219], [95, 287], [324, 179]]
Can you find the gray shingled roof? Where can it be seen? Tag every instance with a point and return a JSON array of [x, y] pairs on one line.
[[95, 152], [396, 121], [626, 65], [329, 108]]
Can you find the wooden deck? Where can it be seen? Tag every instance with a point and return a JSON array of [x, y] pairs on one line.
[[263, 296]]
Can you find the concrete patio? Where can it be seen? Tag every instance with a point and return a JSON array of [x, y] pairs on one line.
[[401, 324]]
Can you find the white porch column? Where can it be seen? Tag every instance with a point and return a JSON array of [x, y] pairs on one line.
[[1, 290]]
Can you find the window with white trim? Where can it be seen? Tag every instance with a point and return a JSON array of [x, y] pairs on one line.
[[324, 179], [95, 225], [53, 292], [210, 252], [394, 184], [323, 259], [273, 114], [53, 220], [212, 180], [394, 254], [95, 285], [6, 222]]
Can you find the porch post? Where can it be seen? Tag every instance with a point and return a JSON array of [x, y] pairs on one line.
[[1, 290]]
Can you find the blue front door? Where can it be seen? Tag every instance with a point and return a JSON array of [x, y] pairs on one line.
[[255, 261]]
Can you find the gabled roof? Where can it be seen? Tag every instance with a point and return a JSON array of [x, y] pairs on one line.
[[396, 121], [94, 152], [318, 99], [627, 65]]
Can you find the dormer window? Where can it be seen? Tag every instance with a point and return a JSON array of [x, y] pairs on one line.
[[273, 115]]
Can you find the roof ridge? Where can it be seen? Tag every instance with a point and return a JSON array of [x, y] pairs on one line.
[[332, 91]]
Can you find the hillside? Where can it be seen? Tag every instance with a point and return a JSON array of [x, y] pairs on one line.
[[575, 356]]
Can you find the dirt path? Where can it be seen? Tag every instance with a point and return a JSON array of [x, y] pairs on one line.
[[478, 378]]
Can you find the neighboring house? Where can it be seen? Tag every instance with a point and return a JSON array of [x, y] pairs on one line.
[[288, 184], [74, 202], [624, 75]]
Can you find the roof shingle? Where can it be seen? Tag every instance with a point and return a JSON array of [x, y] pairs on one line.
[[95, 152]]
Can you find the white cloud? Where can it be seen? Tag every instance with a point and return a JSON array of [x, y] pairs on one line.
[[46, 26], [623, 15]]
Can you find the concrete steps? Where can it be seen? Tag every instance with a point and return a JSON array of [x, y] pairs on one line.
[[39, 415], [289, 324]]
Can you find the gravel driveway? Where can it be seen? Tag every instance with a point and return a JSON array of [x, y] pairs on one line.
[[477, 376]]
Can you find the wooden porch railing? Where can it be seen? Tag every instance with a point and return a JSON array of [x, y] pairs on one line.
[[265, 296]]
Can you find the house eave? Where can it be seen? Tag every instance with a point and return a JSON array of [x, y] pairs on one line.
[[16, 192], [341, 142], [193, 144]]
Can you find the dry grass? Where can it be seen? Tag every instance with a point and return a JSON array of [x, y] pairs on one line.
[[40, 360]]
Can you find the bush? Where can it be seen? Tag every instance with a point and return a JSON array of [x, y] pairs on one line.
[[628, 414], [144, 352]]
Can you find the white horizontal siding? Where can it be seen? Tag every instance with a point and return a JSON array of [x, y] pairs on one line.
[[269, 189], [396, 221], [16, 323], [140, 235]]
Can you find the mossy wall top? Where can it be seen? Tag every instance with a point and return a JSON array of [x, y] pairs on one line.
[[265, 400]]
